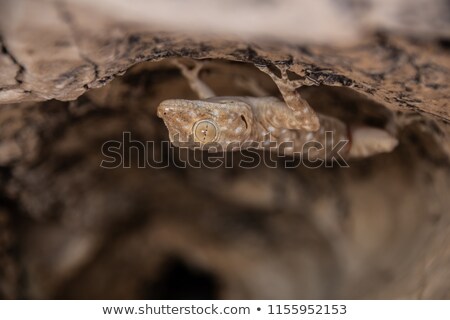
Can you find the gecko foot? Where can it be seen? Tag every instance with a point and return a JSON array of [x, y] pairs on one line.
[[304, 116], [192, 76]]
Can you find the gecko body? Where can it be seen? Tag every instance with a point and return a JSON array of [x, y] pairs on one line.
[[241, 120], [248, 120]]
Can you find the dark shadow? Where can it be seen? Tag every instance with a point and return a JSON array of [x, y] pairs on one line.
[[179, 280]]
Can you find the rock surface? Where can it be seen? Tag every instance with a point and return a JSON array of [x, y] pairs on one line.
[[72, 229]]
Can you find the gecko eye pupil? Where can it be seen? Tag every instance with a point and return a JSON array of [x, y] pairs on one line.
[[205, 131]]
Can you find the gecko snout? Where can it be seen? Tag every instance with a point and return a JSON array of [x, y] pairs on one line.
[[168, 107], [164, 109]]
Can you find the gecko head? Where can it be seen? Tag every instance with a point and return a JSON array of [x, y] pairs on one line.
[[216, 120]]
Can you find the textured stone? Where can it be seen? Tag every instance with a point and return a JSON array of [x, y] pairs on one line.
[[71, 229]]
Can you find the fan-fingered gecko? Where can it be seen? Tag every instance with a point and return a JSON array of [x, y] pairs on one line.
[[243, 120]]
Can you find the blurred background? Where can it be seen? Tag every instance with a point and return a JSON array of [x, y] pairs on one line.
[[76, 74]]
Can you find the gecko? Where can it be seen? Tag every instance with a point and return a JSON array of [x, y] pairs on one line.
[[226, 120]]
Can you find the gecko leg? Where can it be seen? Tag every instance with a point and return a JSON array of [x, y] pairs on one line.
[[302, 113], [192, 76]]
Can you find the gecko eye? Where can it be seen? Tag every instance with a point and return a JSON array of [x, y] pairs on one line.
[[205, 131]]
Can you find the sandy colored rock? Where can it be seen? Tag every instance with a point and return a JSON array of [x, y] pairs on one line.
[[73, 79]]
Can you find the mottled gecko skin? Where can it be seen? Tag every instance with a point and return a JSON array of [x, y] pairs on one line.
[[262, 121], [244, 120]]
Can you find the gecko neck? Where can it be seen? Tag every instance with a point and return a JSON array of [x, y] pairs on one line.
[[267, 131]]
